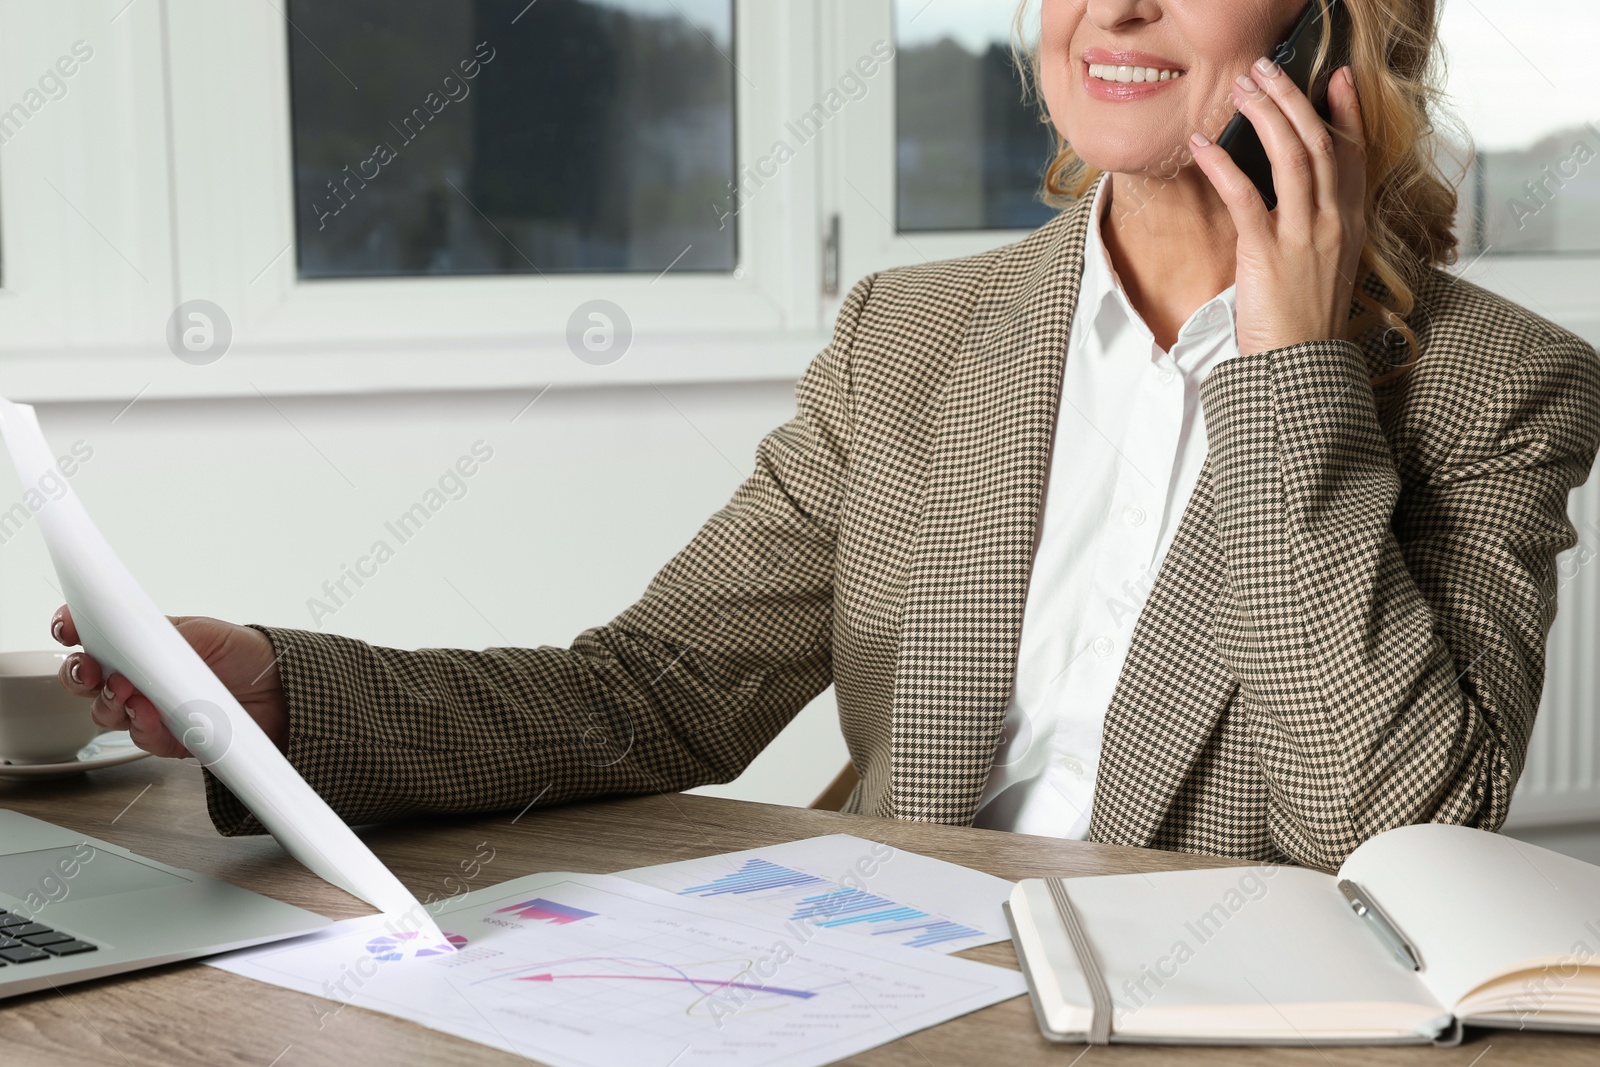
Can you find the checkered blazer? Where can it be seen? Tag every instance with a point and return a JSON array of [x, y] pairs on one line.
[[1348, 633]]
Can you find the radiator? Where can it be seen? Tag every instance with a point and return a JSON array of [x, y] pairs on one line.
[[1559, 784]]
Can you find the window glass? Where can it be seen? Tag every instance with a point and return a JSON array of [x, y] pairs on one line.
[[969, 154], [1522, 80], [438, 137]]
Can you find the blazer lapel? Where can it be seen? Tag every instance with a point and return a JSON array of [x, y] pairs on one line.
[[974, 545], [1172, 689]]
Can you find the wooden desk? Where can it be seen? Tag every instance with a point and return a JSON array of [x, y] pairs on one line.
[[192, 1014]]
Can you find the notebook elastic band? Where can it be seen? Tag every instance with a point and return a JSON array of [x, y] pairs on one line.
[[1099, 992]]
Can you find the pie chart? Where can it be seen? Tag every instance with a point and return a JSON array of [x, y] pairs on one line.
[[390, 948]]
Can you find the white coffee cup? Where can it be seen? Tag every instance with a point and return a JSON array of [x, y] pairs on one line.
[[40, 722]]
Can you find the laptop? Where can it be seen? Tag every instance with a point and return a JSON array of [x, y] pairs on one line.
[[74, 908]]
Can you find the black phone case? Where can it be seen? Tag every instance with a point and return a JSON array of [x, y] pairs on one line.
[[1296, 55]]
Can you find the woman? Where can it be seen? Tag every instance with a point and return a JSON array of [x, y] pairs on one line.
[[1154, 527]]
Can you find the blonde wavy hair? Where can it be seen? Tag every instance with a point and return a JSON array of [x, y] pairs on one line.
[[1410, 204]]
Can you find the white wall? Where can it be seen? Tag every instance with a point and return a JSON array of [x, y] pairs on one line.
[[242, 509]]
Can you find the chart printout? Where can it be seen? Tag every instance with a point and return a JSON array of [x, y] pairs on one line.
[[594, 970], [848, 883]]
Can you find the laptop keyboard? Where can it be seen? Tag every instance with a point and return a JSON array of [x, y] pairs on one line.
[[24, 941]]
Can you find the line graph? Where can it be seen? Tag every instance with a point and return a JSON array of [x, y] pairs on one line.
[[706, 987], [698, 983]]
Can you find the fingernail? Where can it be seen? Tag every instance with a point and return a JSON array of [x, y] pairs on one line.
[[1248, 84], [1267, 67], [1198, 139], [75, 672], [107, 693]]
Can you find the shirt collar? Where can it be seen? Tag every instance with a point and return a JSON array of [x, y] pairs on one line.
[[1100, 292]]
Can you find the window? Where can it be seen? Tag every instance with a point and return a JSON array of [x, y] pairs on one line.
[[451, 267], [84, 219], [969, 154], [1528, 99], [1524, 86], [942, 158], [738, 166], [1529, 217], [574, 136]]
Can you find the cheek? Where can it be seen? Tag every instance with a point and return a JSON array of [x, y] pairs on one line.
[[1241, 32], [1053, 86], [1058, 22]]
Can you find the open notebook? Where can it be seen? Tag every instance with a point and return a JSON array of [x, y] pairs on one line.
[[1507, 935]]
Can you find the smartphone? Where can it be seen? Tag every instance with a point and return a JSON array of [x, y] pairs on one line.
[[1297, 55]]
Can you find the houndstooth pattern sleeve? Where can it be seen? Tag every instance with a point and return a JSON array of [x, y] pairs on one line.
[[1389, 649], [731, 639]]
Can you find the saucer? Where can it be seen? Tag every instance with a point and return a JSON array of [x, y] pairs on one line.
[[107, 750]]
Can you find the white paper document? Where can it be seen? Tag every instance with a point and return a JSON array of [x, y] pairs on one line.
[[121, 627], [579, 970], [847, 883]]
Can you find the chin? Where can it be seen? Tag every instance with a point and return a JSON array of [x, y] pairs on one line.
[[1130, 155], [1157, 147]]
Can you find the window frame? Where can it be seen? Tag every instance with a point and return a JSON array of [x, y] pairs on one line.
[[863, 178], [496, 328], [88, 256]]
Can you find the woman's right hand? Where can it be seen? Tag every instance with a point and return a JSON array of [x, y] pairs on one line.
[[241, 658]]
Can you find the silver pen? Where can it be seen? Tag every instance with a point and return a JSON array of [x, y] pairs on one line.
[[1387, 932]]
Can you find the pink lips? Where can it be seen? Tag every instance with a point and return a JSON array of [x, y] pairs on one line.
[[1130, 59], [1125, 91]]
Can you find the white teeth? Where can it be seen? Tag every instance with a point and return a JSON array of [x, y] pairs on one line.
[[1108, 72]]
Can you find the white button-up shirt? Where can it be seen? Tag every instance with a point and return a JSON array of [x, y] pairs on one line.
[[1129, 441]]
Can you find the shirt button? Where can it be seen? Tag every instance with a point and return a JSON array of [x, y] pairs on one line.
[[1165, 376], [1074, 766], [1103, 647], [1134, 516], [1212, 316]]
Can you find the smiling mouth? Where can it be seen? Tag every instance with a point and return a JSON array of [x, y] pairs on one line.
[[1109, 72]]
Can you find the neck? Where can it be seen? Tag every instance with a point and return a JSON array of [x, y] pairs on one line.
[[1172, 244]]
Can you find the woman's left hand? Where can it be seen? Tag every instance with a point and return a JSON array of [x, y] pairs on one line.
[[1297, 264]]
